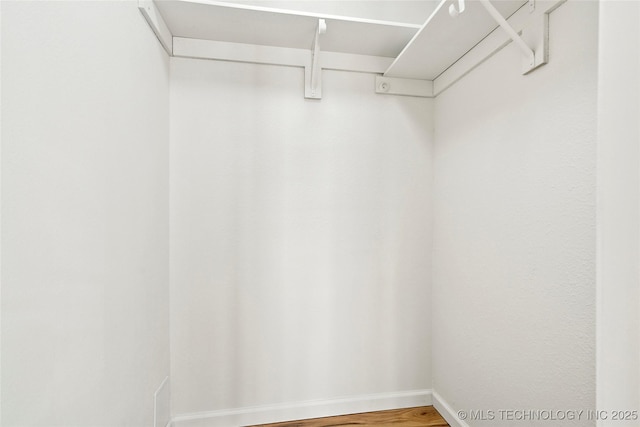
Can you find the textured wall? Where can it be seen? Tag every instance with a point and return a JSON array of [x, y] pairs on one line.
[[85, 163], [300, 237], [514, 228], [618, 376]]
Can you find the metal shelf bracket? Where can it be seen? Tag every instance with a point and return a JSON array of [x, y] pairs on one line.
[[535, 35], [312, 77]]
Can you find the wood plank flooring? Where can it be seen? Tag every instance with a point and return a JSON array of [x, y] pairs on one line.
[[423, 416]]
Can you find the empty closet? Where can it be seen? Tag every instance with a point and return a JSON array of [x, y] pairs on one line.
[[235, 213]]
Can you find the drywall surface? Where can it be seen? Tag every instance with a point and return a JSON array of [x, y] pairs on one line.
[[618, 376], [85, 214], [514, 230], [300, 236], [0, 212]]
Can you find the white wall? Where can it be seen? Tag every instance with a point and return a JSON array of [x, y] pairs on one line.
[[0, 212], [514, 229], [84, 214], [300, 263], [618, 315]]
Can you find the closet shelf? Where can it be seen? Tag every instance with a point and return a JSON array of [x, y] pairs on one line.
[[442, 39], [427, 58], [254, 25]]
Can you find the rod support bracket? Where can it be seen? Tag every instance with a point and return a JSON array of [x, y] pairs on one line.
[[406, 87], [312, 72]]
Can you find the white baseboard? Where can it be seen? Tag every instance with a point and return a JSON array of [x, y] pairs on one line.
[[447, 412], [304, 410]]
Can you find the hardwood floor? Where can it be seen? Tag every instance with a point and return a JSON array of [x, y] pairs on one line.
[[423, 416]]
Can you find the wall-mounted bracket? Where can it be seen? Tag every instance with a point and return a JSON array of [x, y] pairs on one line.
[[537, 37], [533, 28], [312, 77], [407, 87]]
